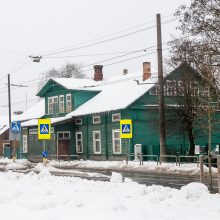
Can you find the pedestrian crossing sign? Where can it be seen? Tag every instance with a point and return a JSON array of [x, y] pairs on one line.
[[126, 128], [16, 127], [44, 128]]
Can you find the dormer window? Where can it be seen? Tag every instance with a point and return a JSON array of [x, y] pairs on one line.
[[53, 105], [68, 103], [61, 104], [171, 87]]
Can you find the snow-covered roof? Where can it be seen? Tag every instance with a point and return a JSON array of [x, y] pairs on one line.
[[115, 95], [36, 111], [34, 122], [4, 120], [5, 128], [77, 84]]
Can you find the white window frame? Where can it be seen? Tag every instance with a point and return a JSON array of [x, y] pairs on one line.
[[51, 105], [61, 104], [116, 115], [181, 88], [79, 122], [68, 103], [113, 141], [95, 140], [170, 87], [79, 132], [50, 108], [154, 90], [25, 143], [96, 117], [63, 138]]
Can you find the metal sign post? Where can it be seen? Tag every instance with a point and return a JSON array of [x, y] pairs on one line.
[[126, 133]]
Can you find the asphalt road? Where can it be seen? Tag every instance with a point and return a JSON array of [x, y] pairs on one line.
[[169, 180]]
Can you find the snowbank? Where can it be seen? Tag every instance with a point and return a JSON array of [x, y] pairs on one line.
[[189, 169], [47, 197]]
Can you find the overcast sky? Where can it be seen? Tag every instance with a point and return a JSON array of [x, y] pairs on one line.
[[41, 27]]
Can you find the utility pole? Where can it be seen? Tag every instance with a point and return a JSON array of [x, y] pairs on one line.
[[9, 110], [9, 100], [161, 89], [210, 139]]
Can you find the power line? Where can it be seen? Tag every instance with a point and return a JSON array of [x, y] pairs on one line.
[[16, 103], [13, 53], [36, 80], [16, 68], [102, 37], [107, 40], [88, 55]]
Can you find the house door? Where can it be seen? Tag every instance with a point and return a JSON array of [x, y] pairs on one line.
[[63, 144], [63, 147]]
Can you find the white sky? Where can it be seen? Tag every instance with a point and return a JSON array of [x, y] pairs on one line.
[[31, 27]]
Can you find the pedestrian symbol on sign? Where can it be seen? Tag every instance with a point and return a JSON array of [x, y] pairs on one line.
[[126, 128], [44, 129], [16, 127]]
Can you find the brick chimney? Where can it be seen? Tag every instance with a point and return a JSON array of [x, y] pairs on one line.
[[98, 75], [146, 70], [125, 71]]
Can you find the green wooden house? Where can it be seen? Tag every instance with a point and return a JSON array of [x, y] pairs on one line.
[[85, 116]]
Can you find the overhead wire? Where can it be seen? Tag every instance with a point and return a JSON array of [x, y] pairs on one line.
[[107, 40], [102, 37]]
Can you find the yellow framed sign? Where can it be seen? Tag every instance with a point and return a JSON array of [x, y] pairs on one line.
[[126, 128], [44, 129]]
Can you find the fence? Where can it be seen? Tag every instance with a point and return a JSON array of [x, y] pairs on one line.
[[177, 159]]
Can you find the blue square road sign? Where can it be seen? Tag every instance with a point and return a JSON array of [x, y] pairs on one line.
[[44, 128]]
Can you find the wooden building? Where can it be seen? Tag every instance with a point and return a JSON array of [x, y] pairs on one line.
[[85, 115]]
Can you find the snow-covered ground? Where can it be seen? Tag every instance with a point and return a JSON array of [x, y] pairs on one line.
[[132, 166], [46, 197], [185, 168]]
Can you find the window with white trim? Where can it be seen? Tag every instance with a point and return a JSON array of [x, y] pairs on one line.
[[78, 121], [68, 103], [154, 90], [116, 141], [53, 105], [96, 119], [79, 142], [61, 104], [62, 135], [25, 143], [97, 142], [116, 117], [171, 87], [181, 87]]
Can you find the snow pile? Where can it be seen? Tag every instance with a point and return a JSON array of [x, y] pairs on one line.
[[116, 178], [8, 164], [195, 190], [149, 166], [47, 197]]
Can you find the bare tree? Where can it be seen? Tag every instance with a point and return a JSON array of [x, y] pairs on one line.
[[69, 70]]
